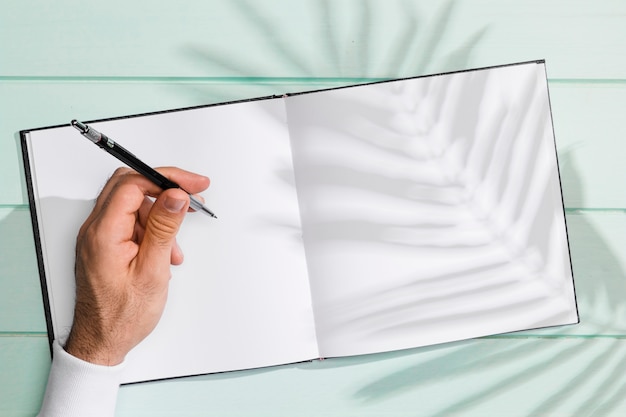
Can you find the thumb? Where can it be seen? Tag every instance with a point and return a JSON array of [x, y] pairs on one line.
[[164, 220]]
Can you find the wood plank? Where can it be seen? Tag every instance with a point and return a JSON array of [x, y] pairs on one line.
[[596, 241], [24, 365], [590, 129], [588, 122], [26, 105], [530, 377], [271, 38], [551, 373], [21, 306], [484, 377]]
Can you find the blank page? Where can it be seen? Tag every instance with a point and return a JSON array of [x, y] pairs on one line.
[[241, 299], [431, 209]]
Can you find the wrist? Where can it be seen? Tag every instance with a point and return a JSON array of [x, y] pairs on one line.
[[90, 350]]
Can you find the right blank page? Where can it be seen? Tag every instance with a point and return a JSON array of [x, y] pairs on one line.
[[431, 209]]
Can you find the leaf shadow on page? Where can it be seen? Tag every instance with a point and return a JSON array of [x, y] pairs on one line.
[[458, 368], [294, 58], [359, 49], [534, 360], [459, 206]]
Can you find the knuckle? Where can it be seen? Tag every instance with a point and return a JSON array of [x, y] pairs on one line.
[[121, 171], [162, 228], [89, 237]]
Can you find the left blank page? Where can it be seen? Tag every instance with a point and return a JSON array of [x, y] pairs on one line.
[[241, 299]]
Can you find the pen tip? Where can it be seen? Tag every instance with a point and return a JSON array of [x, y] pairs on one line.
[[73, 122]]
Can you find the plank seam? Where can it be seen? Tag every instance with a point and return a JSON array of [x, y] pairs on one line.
[[253, 80]]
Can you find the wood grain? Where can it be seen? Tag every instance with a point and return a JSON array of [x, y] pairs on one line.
[[63, 60]]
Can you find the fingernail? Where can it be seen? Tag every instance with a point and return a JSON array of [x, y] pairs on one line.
[[174, 205]]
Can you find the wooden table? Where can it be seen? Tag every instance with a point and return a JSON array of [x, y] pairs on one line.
[[66, 59]]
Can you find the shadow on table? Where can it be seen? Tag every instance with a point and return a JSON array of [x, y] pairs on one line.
[[21, 309], [597, 281], [461, 359], [344, 50], [517, 360]]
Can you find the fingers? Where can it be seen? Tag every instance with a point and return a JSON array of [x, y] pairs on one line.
[[123, 256], [190, 182], [123, 208], [177, 256], [158, 247], [144, 211]]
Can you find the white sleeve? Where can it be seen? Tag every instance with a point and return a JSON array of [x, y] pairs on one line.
[[79, 388]]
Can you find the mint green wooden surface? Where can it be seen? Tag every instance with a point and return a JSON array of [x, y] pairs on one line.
[[66, 59]]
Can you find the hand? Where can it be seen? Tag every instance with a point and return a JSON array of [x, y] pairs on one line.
[[123, 255]]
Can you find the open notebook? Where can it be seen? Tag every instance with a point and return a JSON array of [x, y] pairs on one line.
[[355, 220]]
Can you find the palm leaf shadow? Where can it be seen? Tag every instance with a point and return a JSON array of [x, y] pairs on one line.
[[604, 397], [431, 372], [601, 399], [429, 232], [406, 56], [352, 53], [523, 210]]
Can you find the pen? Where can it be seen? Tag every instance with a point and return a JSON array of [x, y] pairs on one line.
[[132, 161]]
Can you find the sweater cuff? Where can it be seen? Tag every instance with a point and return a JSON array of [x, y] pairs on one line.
[[79, 388]]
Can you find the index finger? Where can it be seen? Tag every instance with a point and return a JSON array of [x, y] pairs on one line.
[[189, 181]]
